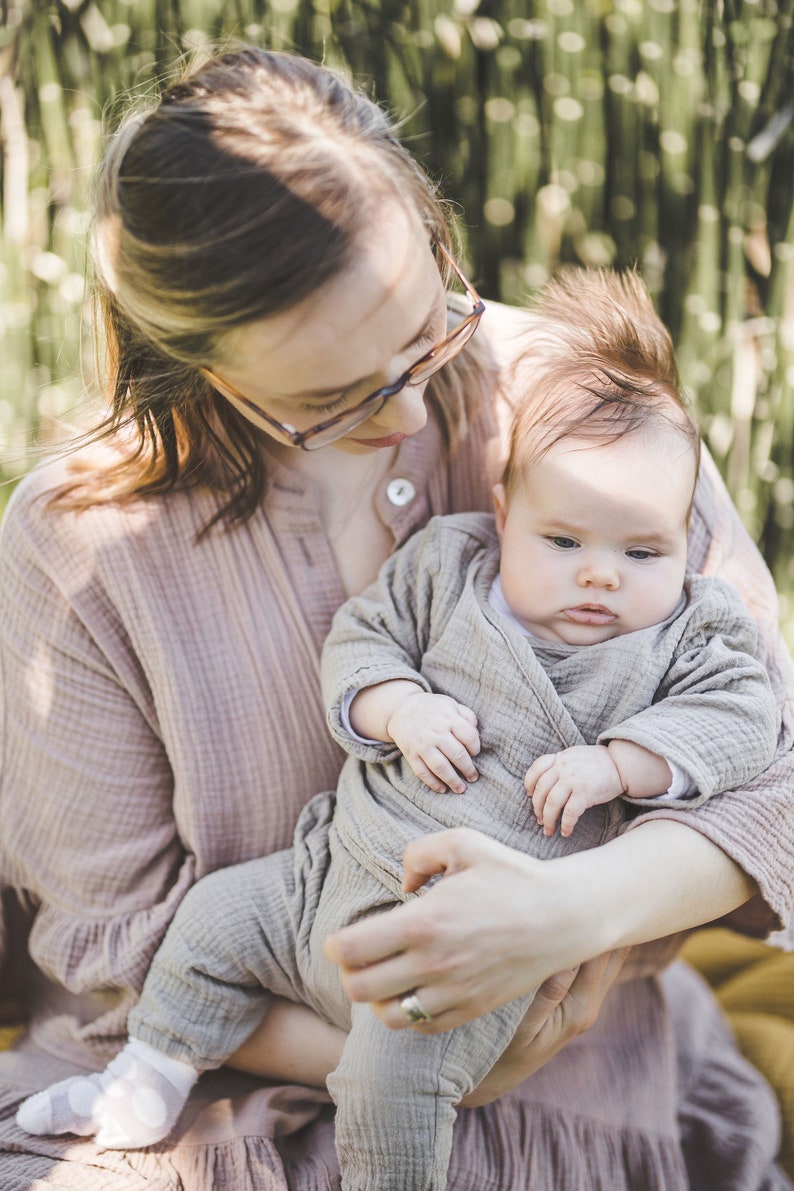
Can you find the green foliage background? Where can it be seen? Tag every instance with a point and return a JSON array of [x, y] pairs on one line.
[[659, 132]]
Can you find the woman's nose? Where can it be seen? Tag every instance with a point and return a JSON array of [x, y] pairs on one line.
[[599, 573], [405, 411]]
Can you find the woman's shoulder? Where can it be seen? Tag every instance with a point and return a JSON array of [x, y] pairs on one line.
[[42, 499], [59, 517], [509, 331], [29, 505]]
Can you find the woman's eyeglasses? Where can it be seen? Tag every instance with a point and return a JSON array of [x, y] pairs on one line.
[[332, 429]]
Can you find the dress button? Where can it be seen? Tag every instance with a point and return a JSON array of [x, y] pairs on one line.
[[400, 491]]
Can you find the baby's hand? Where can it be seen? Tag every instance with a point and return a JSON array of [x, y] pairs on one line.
[[438, 738], [571, 781]]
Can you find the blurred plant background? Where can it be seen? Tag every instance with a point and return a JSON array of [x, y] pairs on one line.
[[659, 132]]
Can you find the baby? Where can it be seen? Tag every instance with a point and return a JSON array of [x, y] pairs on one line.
[[603, 678]]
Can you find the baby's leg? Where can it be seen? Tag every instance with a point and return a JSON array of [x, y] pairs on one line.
[[396, 1093], [231, 944]]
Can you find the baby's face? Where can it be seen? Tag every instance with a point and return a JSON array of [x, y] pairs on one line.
[[594, 541]]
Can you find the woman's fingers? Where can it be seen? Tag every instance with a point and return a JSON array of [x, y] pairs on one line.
[[564, 1006], [384, 956], [391, 1014], [441, 852], [497, 926]]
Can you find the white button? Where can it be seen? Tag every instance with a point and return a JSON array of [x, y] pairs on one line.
[[400, 491]]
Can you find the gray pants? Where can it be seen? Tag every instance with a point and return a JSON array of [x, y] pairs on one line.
[[244, 933]]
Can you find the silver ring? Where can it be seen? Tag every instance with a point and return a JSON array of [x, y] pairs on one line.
[[412, 1011]]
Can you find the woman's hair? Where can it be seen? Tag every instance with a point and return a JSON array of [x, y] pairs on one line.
[[598, 365], [235, 197]]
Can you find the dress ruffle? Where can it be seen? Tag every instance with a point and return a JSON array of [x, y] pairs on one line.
[[656, 1097]]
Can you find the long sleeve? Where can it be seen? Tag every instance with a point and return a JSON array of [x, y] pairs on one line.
[[753, 824], [715, 715], [161, 718], [88, 831], [382, 634]]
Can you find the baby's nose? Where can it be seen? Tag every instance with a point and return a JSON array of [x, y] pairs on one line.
[[599, 573]]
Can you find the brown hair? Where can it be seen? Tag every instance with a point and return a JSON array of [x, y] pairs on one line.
[[241, 192], [599, 364]]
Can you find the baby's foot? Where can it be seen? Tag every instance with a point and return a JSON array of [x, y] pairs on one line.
[[133, 1103]]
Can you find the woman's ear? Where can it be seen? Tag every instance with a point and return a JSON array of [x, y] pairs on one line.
[[500, 507]]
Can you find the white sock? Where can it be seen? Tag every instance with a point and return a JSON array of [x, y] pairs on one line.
[[133, 1103]]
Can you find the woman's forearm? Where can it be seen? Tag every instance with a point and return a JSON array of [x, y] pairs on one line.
[[291, 1044], [501, 922], [657, 879]]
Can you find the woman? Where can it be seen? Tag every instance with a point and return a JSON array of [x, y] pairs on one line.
[[270, 263]]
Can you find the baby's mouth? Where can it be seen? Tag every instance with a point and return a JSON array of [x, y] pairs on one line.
[[590, 614]]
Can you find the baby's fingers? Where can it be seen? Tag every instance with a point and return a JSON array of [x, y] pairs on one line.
[[427, 775], [572, 812], [536, 770], [464, 745], [550, 794], [556, 803], [540, 795], [467, 713], [445, 764]]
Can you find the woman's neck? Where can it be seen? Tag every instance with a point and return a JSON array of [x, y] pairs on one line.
[[358, 539]]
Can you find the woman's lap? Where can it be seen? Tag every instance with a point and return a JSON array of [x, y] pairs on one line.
[[607, 1104]]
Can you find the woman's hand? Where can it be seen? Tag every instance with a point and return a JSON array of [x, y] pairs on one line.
[[497, 926], [294, 1045], [501, 923], [565, 1006]]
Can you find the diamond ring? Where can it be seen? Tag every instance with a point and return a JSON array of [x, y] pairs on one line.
[[413, 1012]]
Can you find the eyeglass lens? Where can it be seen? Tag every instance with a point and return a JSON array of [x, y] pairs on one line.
[[458, 336]]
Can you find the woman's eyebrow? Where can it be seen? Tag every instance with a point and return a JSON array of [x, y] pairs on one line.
[[321, 394]]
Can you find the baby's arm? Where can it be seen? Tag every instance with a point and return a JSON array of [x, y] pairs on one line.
[[437, 735], [372, 663], [563, 785]]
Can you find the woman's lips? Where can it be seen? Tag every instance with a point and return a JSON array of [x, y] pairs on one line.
[[590, 614], [392, 440]]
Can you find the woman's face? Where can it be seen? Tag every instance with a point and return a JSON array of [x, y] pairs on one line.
[[358, 332]]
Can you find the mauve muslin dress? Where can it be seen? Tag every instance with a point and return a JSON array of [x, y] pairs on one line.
[[161, 718]]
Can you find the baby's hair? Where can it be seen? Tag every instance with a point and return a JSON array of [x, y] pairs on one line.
[[599, 365]]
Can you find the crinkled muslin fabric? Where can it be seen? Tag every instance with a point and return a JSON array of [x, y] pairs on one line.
[[162, 718], [655, 1098]]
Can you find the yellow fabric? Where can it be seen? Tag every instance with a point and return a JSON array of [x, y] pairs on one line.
[[7, 1036], [754, 984]]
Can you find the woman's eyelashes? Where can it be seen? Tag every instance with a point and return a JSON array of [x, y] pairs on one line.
[[331, 405]]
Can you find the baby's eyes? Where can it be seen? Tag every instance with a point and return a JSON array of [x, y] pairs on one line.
[[637, 554]]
